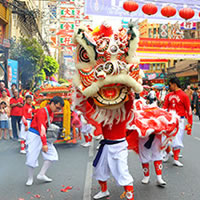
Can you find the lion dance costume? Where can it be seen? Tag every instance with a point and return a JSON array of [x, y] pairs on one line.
[[107, 77]]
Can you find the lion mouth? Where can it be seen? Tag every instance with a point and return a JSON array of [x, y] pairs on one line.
[[113, 94]]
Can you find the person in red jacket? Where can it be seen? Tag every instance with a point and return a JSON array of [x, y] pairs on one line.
[[178, 101], [27, 114], [36, 141], [16, 105]]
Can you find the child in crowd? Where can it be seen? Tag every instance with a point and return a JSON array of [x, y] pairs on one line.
[[27, 115], [85, 128], [3, 119]]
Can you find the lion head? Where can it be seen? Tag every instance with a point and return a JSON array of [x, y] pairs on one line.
[[106, 62]]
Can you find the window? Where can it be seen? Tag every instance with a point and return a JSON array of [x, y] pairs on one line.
[[154, 67], [158, 66], [154, 33], [150, 33]]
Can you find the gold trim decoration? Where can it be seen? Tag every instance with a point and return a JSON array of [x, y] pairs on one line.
[[66, 120]]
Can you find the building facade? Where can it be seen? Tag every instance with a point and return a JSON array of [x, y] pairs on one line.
[[26, 19], [4, 35]]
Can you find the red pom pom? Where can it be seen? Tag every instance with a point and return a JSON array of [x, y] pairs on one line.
[[107, 30]]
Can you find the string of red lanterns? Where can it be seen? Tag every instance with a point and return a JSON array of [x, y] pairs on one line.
[[151, 9]]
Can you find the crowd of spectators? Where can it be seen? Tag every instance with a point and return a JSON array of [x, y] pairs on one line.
[[152, 94], [11, 105]]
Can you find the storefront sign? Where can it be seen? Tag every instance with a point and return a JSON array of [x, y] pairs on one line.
[[68, 12], [67, 26], [12, 71], [6, 43], [66, 41], [151, 76], [189, 25], [163, 31], [177, 33], [144, 66], [165, 48]]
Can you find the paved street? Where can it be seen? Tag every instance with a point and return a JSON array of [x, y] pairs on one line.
[[74, 169]]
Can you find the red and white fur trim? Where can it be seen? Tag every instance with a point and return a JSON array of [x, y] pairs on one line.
[[107, 116]]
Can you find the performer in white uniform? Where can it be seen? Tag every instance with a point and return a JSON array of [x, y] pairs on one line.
[[150, 150], [37, 141], [178, 101]]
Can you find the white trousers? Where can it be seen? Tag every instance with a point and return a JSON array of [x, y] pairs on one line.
[[178, 140], [34, 147], [152, 154], [23, 133], [114, 160], [86, 129]]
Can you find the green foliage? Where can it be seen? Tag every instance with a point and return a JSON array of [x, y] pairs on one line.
[[30, 56], [34, 65], [51, 66], [41, 75], [184, 81]]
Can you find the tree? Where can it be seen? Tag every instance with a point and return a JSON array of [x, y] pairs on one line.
[[184, 81], [30, 56], [50, 66]]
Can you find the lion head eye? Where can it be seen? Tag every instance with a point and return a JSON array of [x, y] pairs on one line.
[[83, 55], [102, 45]]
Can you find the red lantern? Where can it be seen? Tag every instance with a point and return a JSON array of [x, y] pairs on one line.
[[149, 9], [168, 11], [186, 13], [130, 6]]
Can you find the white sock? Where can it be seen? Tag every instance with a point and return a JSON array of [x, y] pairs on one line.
[[46, 165], [30, 173]]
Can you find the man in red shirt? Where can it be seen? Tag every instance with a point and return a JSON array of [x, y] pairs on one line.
[[16, 105], [36, 141], [178, 101]]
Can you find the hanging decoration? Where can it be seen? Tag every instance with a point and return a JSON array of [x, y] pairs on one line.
[[168, 11], [130, 6], [149, 9], [186, 13]]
